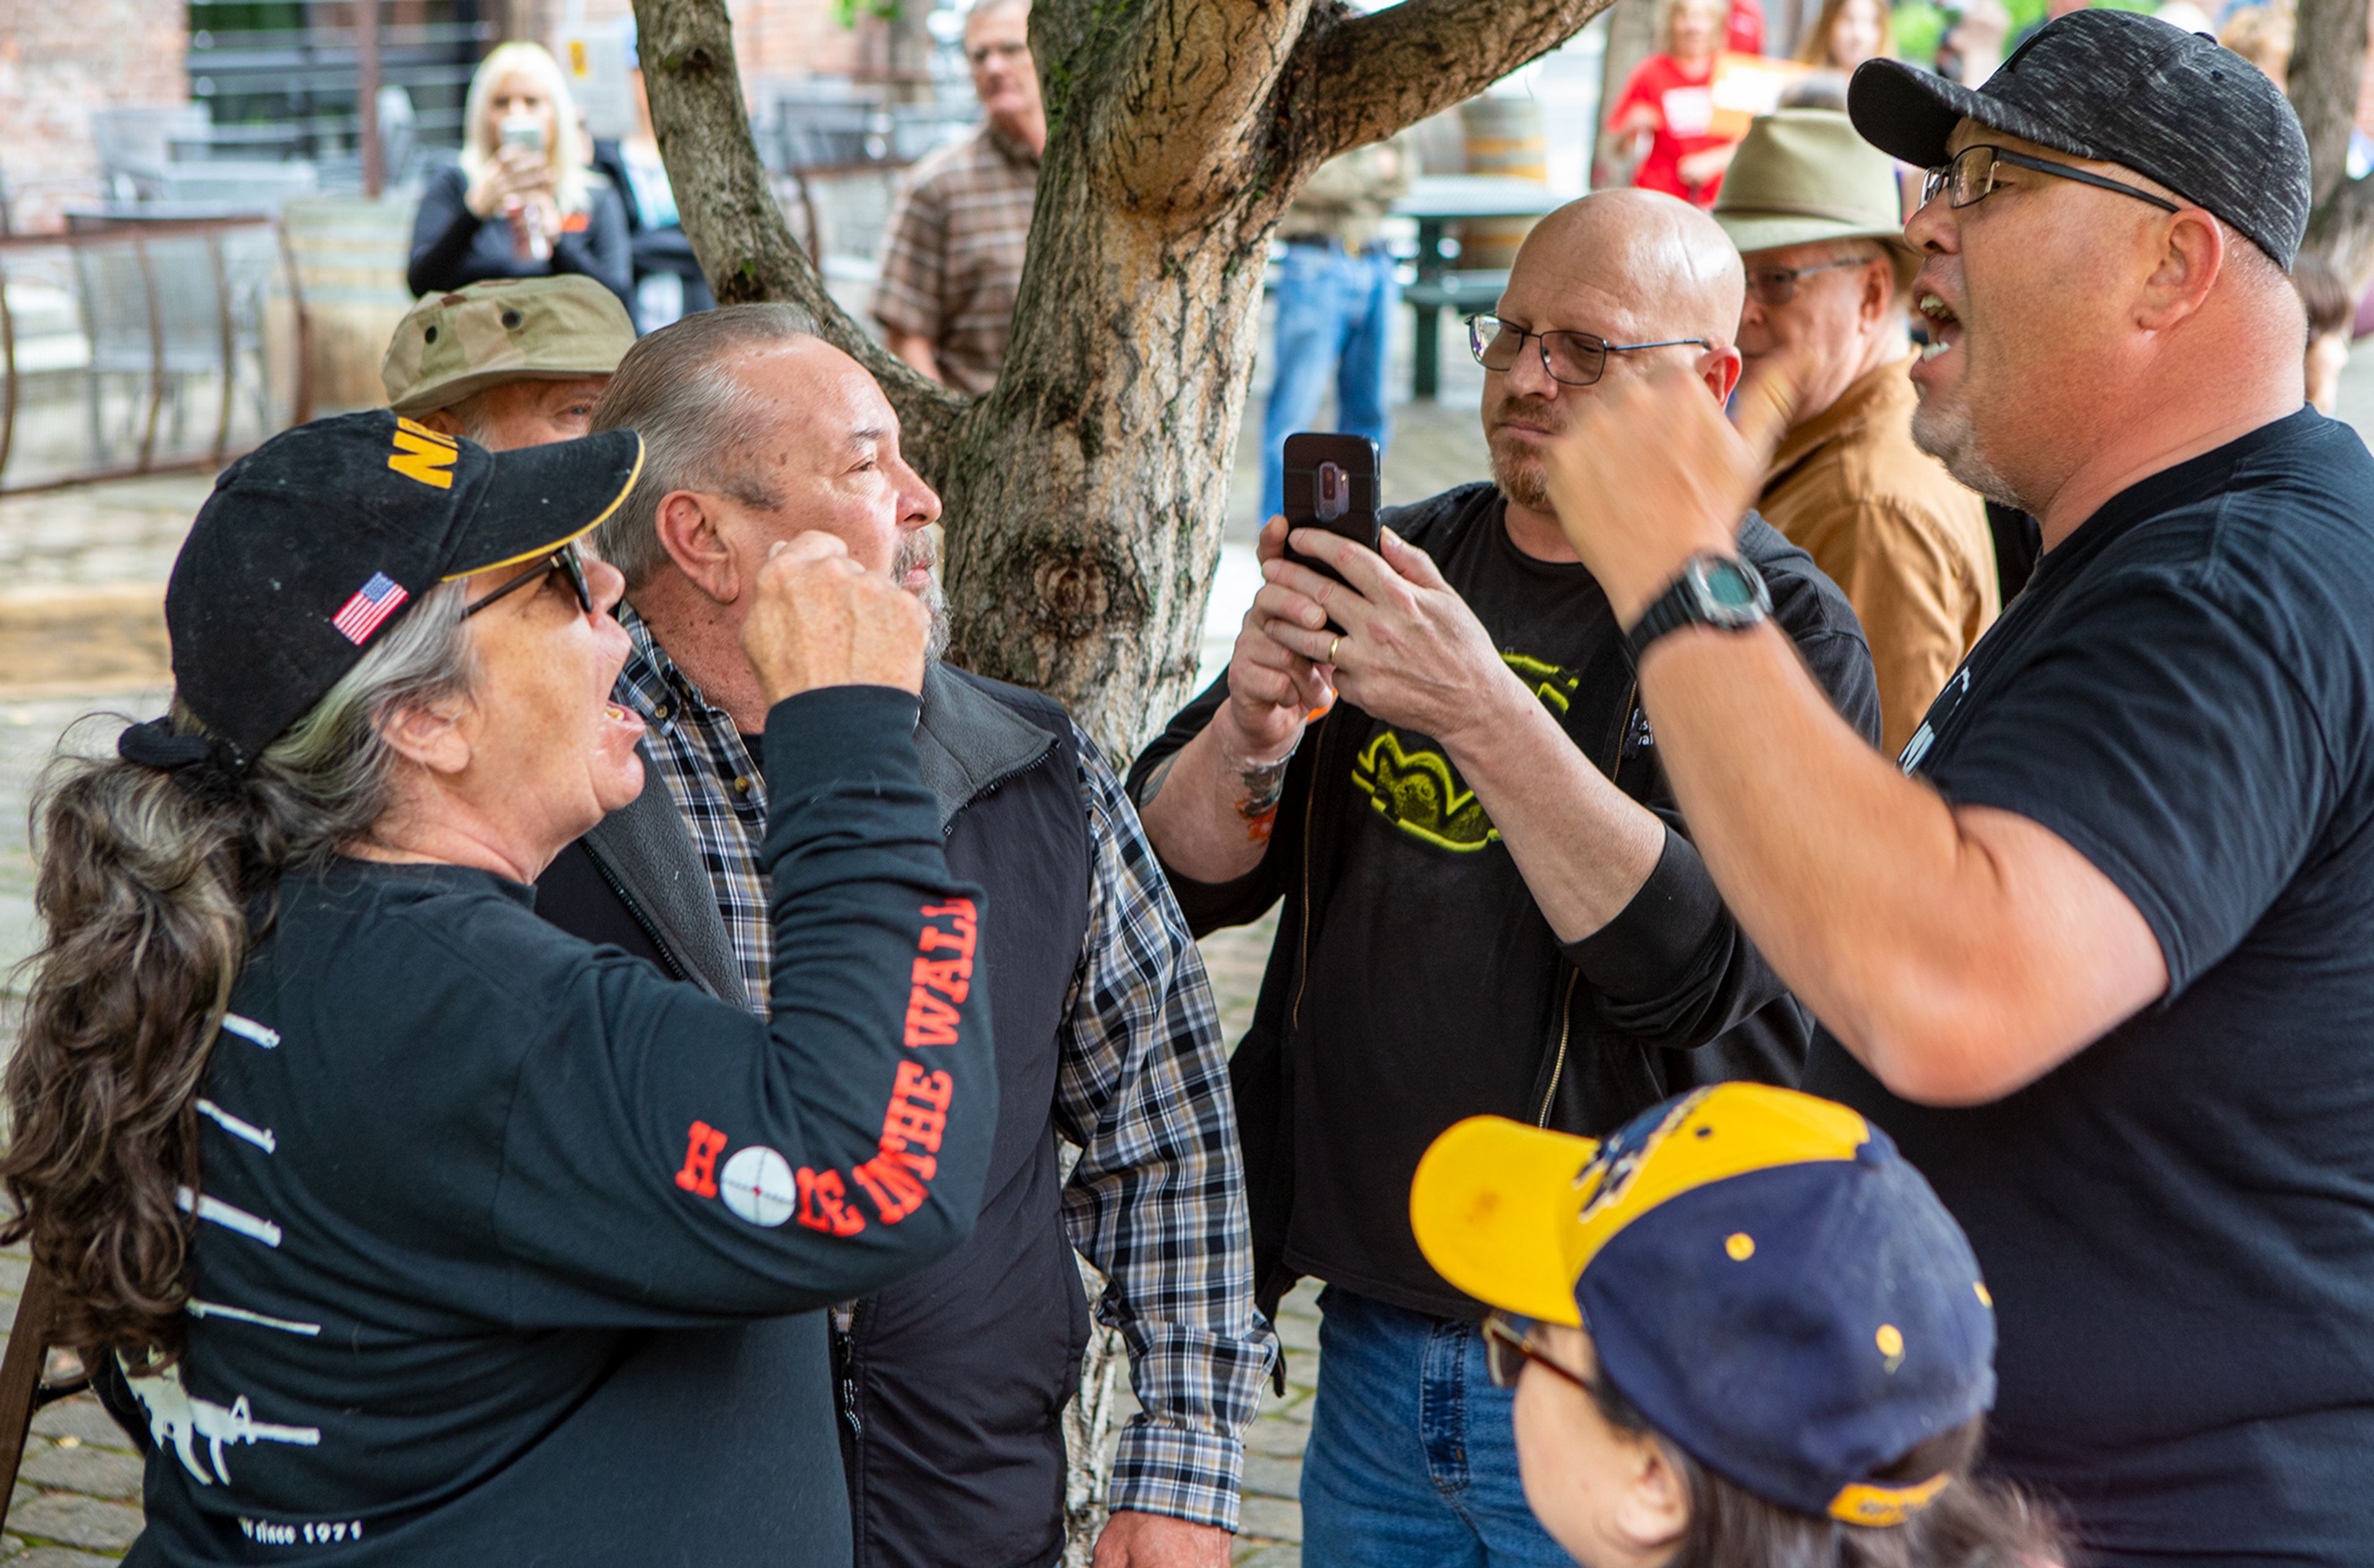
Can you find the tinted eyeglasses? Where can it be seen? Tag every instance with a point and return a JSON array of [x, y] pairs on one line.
[[1506, 1351], [1574, 358], [1778, 285], [1969, 177], [565, 562]]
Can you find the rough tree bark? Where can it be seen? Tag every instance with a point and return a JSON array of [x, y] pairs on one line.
[[1085, 492], [2327, 74]]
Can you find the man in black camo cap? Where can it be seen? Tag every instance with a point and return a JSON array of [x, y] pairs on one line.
[[2095, 953]]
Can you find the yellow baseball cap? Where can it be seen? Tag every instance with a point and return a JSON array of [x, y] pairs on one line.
[[1762, 1274], [499, 330]]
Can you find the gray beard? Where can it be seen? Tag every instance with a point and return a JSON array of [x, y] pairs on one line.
[[1953, 439], [915, 550]]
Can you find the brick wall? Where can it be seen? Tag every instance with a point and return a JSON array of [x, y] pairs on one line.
[[58, 61]]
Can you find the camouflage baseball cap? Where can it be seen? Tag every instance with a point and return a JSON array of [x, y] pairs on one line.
[[503, 330]]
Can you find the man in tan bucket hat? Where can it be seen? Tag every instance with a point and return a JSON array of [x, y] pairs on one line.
[[508, 362], [1816, 212]]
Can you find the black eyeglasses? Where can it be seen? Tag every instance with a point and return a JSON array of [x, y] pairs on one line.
[[1778, 285], [1506, 1351], [1574, 358], [563, 561], [1969, 177]]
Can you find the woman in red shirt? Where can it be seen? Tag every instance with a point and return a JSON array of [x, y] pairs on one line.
[[1670, 100]]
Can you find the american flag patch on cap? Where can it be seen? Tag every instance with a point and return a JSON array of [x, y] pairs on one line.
[[374, 602]]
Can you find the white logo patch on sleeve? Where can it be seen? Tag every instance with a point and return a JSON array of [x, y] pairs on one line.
[[756, 1184]]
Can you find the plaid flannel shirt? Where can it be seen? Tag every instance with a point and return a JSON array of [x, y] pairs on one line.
[[1156, 1200]]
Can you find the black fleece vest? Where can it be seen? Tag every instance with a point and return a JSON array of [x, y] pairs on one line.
[[954, 1382]]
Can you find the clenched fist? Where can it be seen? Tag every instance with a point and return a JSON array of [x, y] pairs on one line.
[[820, 619]]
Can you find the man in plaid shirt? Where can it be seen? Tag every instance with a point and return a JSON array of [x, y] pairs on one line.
[[953, 1383], [954, 260]]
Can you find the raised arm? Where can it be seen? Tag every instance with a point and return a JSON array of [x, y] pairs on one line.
[[1958, 953], [1209, 807], [682, 1161]]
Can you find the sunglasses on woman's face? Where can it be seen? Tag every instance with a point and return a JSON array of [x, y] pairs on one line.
[[1508, 1346], [563, 561]]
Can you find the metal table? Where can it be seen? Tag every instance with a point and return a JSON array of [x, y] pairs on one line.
[[1437, 200]]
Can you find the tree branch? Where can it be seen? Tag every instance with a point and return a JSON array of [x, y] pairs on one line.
[[1362, 78], [2328, 50], [1182, 120], [731, 217]]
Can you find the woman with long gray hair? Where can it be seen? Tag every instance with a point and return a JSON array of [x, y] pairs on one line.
[[423, 1232]]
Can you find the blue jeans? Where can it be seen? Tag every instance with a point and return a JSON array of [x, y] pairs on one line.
[[1335, 317], [1412, 1462]]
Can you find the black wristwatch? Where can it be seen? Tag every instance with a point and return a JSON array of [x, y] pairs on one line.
[[1722, 591]]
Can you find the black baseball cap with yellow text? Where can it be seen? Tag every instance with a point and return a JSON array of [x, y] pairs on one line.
[[313, 544]]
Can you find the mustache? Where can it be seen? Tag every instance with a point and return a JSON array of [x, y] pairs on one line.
[[915, 550], [1538, 411]]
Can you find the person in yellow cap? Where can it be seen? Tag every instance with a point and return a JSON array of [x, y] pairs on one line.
[[507, 362], [1815, 211], [1741, 1331]]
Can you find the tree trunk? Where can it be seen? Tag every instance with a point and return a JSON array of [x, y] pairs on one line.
[[2327, 74], [1085, 492]]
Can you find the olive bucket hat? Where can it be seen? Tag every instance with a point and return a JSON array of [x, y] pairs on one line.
[[1804, 176]]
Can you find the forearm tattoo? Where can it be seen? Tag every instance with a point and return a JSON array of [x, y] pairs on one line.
[[1262, 784]]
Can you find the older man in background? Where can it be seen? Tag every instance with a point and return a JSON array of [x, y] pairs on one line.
[[1815, 212], [953, 1383], [507, 362], [954, 263]]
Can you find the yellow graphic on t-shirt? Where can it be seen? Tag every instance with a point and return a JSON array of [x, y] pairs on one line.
[[1418, 791]]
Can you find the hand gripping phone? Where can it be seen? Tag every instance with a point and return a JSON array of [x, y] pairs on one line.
[[1331, 483]]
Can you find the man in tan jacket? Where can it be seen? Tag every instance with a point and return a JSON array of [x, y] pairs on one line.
[[1815, 211]]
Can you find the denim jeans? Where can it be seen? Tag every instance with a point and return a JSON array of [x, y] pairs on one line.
[[1335, 317], [1412, 1462]]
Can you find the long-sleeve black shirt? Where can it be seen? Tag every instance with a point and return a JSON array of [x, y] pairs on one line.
[[1414, 980], [510, 1249], [452, 246]]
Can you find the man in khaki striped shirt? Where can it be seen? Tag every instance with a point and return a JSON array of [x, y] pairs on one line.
[[949, 274]]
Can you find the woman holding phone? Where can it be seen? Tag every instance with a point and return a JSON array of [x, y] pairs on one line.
[[520, 203]]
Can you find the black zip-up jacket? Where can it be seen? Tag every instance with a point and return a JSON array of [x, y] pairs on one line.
[[452, 246], [510, 1249], [1668, 995]]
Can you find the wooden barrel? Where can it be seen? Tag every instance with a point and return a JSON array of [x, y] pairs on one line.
[[1504, 138], [350, 254]]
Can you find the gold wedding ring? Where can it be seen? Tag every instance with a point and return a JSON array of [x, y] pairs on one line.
[[1330, 649]]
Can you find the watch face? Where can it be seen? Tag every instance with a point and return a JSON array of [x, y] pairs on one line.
[[1729, 591]]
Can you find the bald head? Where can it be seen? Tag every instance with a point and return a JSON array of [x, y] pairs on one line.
[[1632, 269], [1658, 264]]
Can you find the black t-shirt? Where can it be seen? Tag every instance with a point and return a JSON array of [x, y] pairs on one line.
[[1436, 986], [2178, 1224], [510, 1249]]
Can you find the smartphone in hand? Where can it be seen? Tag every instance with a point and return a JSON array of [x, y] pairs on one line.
[[1331, 483]]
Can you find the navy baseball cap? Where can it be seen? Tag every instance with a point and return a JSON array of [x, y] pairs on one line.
[[2119, 87], [318, 541], [1762, 1274]]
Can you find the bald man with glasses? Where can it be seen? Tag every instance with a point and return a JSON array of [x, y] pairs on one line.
[[1439, 769]]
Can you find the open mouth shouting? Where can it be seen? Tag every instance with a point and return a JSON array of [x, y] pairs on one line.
[[1945, 326]]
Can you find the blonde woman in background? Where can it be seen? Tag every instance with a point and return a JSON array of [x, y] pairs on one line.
[[1847, 34], [520, 202]]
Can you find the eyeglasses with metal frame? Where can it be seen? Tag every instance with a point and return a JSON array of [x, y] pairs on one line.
[[564, 561], [1507, 1349], [1778, 285], [1969, 177], [1570, 358]]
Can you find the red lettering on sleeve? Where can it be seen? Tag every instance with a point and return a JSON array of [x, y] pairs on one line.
[[824, 1204], [700, 1173], [896, 1193], [930, 1020], [952, 977]]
